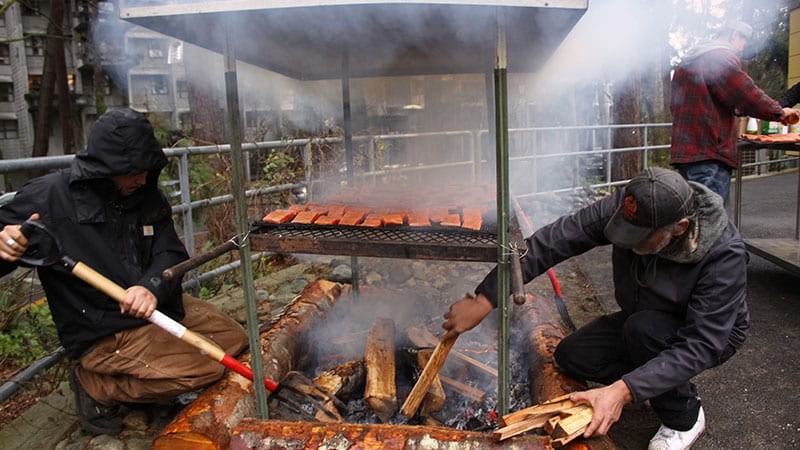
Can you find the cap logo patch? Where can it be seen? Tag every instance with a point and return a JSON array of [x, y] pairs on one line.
[[629, 208]]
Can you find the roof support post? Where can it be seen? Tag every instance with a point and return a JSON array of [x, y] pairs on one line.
[[503, 261], [242, 224]]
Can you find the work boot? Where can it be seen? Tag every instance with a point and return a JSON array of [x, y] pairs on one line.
[[94, 416], [668, 439]]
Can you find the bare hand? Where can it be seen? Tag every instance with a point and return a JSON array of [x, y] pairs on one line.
[[12, 242], [139, 302], [790, 116], [465, 314], [607, 403]]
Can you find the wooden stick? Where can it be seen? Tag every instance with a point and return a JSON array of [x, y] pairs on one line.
[[561, 442], [421, 337], [464, 389], [426, 378], [435, 397]]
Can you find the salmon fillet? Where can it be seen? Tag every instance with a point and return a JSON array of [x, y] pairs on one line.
[[372, 220], [328, 220], [279, 216], [419, 218], [451, 220], [353, 217], [472, 218], [306, 217]]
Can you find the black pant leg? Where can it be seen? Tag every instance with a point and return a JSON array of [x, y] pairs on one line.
[[596, 351]]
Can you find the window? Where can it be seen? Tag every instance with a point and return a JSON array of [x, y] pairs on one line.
[[108, 85], [31, 8], [34, 83], [5, 54], [159, 86], [8, 129], [34, 46], [183, 88], [6, 92]]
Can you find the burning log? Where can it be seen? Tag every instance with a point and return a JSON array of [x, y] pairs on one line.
[[534, 319], [253, 433], [380, 392], [421, 337], [435, 398], [209, 421], [343, 380]]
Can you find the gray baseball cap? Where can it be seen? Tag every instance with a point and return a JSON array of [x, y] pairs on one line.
[[653, 199], [742, 28]]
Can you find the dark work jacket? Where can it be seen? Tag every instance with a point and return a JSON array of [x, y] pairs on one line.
[[128, 239], [709, 296]]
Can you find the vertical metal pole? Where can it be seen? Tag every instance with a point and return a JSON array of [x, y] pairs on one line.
[[348, 148], [503, 261], [242, 224], [188, 216]]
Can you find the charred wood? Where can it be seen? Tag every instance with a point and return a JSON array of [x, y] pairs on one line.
[[208, 422], [253, 433]]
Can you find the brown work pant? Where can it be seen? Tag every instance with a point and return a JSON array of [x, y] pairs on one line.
[[147, 364]]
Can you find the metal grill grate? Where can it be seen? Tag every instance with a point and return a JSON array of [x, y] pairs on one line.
[[401, 242]]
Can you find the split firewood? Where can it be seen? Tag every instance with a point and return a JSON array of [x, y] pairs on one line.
[[421, 337], [547, 409], [425, 379], [435, 398], [380, 392], [578, 419], [463, 389], [343, 380], [561, 442]]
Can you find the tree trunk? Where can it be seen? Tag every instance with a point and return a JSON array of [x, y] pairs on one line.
[[207, 116], [627, 110], [59, 60]]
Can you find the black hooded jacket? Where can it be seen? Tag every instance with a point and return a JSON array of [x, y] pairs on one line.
[[129, 239]]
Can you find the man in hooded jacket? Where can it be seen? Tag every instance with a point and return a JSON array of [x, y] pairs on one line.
[[709, 91], [679, 275], [107, 212]]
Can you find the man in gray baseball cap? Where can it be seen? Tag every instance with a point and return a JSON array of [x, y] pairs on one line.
[[679, 269]]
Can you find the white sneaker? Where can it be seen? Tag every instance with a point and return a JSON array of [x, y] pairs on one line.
[[668, 439]]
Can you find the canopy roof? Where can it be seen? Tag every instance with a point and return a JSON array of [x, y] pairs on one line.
[[314, 40]]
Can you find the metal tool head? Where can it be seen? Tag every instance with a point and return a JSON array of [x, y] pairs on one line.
[[44, 249]]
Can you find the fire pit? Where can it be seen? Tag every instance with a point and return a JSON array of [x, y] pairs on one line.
[[327, 330]]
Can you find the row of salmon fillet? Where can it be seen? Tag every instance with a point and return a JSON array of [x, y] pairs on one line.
[[338, 214], [787, 137]]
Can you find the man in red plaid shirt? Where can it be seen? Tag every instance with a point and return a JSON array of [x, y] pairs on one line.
[[709, 91]]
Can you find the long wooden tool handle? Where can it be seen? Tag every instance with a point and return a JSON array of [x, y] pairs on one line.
[[181, 268], [426, 377], [212, 350]]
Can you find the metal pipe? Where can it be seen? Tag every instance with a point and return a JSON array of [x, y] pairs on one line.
[[13, 385], [242, 224], [503, 261]]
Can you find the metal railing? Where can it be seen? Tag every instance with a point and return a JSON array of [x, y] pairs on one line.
[[530, 148]]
